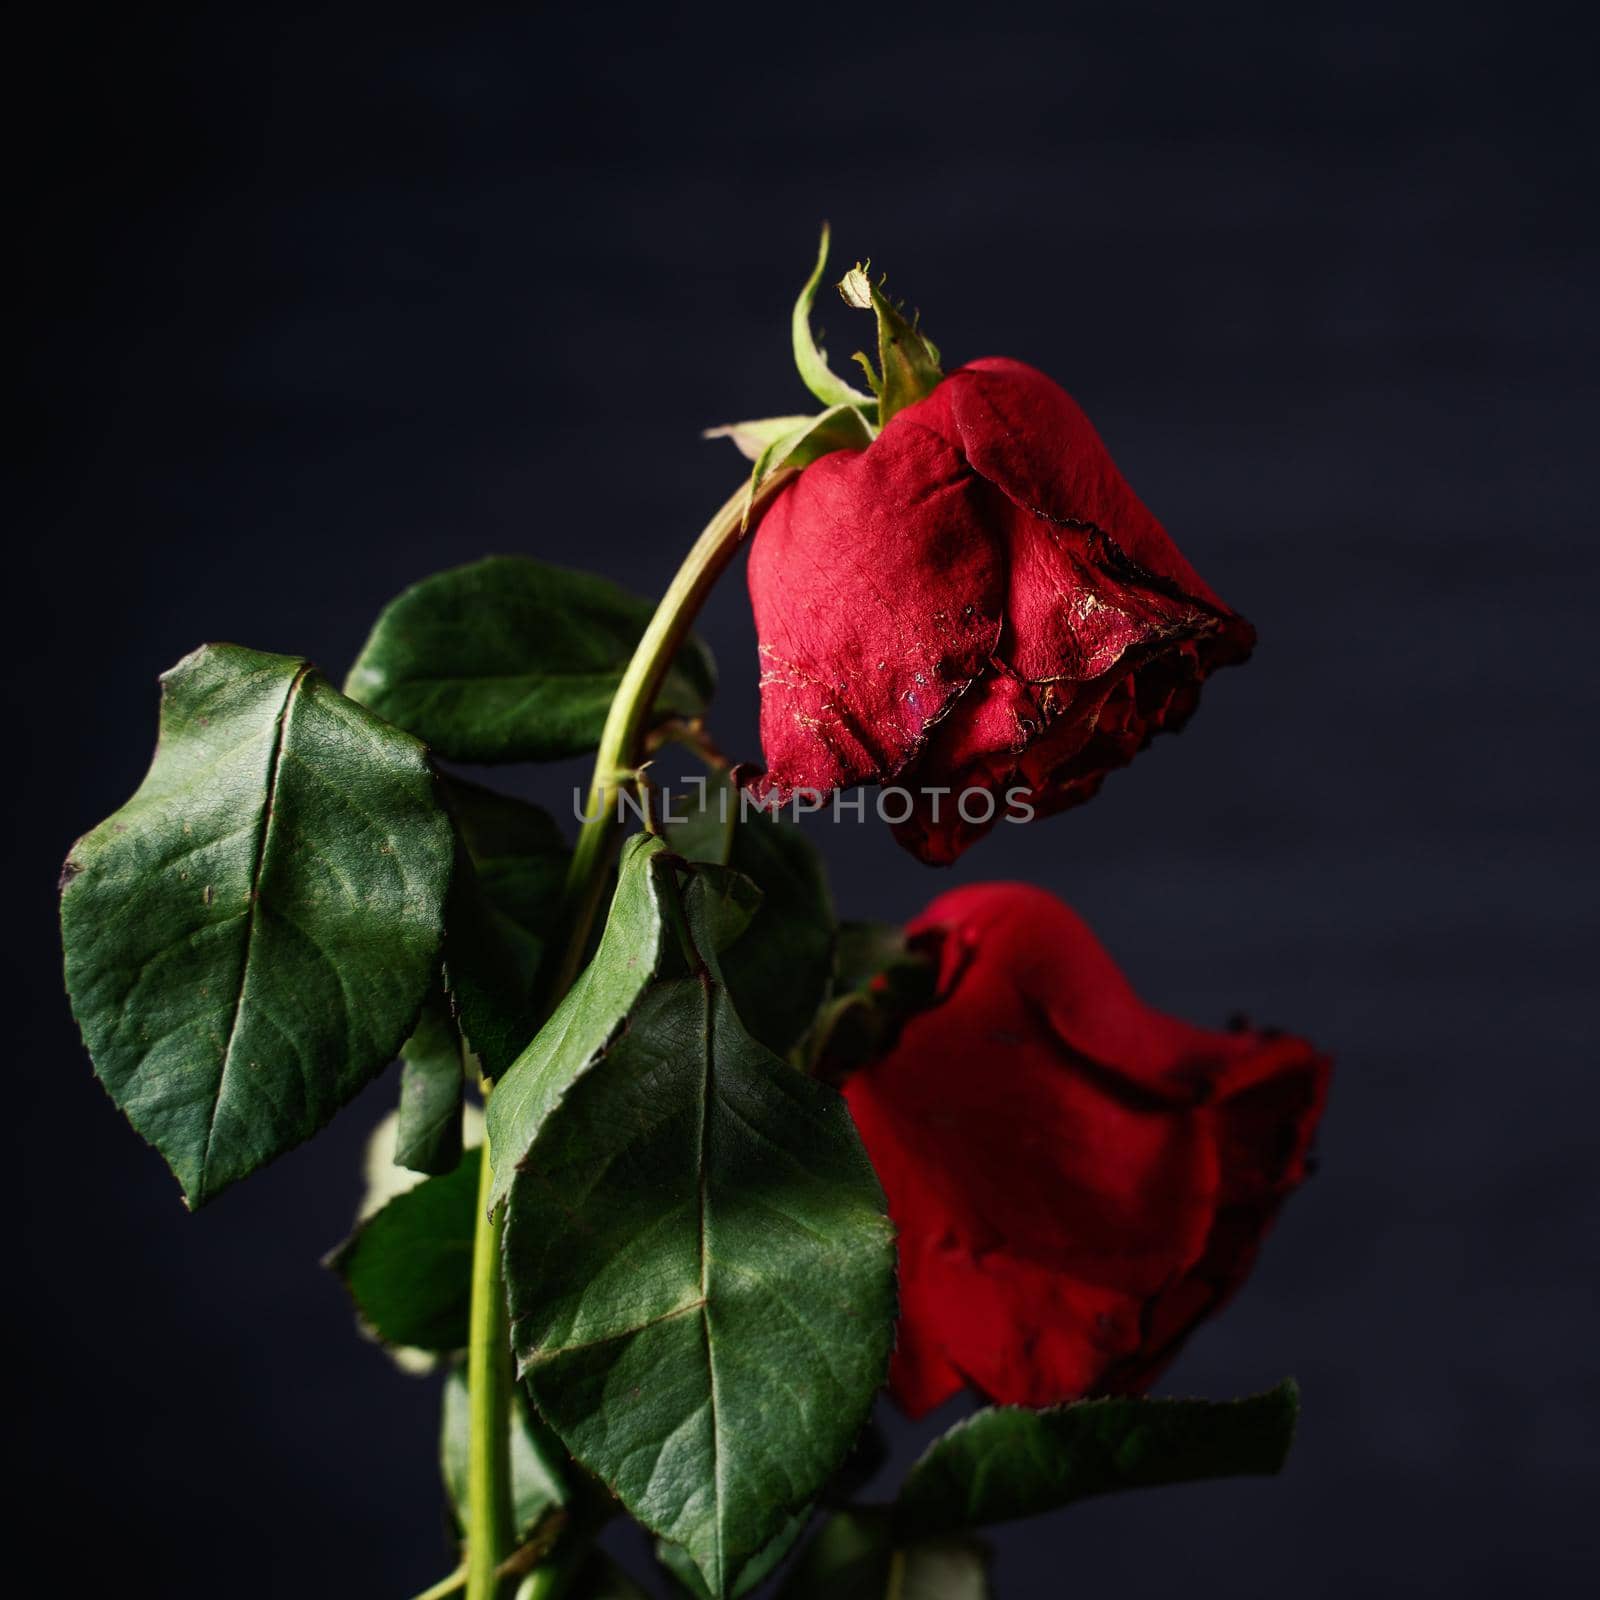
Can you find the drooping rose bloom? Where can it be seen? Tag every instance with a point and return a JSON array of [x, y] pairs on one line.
[[1077, 1179], [977, 601]]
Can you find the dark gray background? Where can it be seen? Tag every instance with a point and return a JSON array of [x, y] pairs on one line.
[[318, 306]]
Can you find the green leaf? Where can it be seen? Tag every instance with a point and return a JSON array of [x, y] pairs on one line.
[[512, 660], [908, 361], [812, 361], [537, 1482], [699, 1267], [432, 1081], [408, 1267], [518, 852], [504, 908], [857, 1556], [751, 1575], [1007, 1461], [249, 939], [383, 1178], [779, 971], [590, 1016]]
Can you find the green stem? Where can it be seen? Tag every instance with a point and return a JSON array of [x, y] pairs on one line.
[[489, 1380], [489, 1376], [626, 723]]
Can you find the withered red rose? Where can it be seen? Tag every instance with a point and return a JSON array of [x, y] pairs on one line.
[[1076, 1178], [976, 602]]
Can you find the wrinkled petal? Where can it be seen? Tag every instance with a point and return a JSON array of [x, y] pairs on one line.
[[878, 597], [1031, 439]]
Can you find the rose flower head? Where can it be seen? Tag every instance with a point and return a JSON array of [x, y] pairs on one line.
[[959, 592], [1077, 1179]]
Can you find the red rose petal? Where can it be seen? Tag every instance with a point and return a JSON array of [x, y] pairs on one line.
[[877, 599], [1076, 1178]]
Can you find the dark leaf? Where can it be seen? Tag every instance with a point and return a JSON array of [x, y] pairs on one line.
[[1008, 1461], [778, 971], [518, 852], [751, 1575], [512, 660], [504, 908], [428, 1138], [857, 1556], [249, 939], [408, 1267]]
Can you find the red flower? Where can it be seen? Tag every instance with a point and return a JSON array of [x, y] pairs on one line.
[[979, 602], [1077, 1179]]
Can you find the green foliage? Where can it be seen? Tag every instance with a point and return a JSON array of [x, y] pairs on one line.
[[879, 983], [408, 1266], [428, 1138], [591, 1014], [693, 1225], [680, 1564], [512, 660], [859, 1555], [1008, 1461], [538, 1483], [519, 855], [778, 972], [504, 909], [249, 939]]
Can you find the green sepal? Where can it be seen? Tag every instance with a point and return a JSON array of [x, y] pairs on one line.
[[250, 938], [908, 361], [812, 361], [1009, 1461], [408, 1266], [879, 984], [538, 1483], [754, 438], [796, 443], [860, 1555], [510, 659]]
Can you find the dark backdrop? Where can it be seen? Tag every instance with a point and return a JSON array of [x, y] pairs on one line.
[[318, 305]]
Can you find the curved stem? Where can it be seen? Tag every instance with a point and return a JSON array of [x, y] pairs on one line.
[[623, 738], [489, 1513], [489, 1376]]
